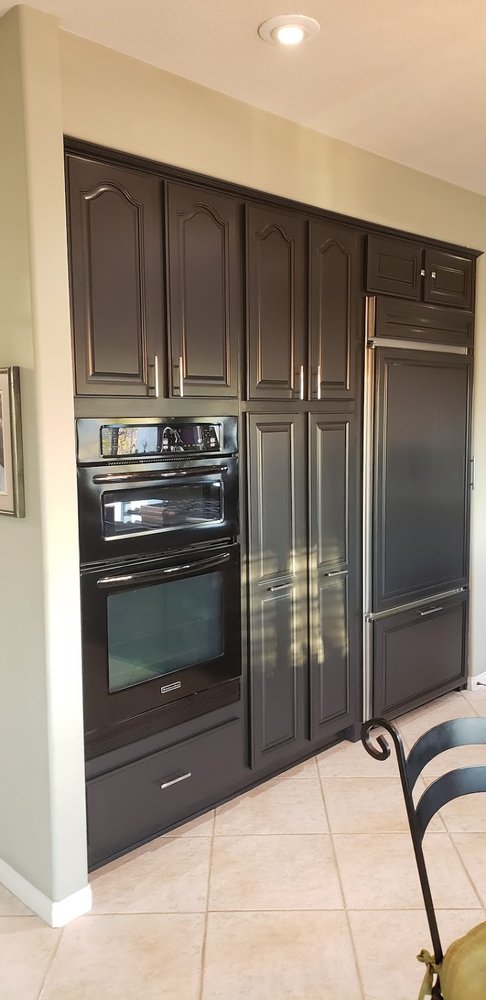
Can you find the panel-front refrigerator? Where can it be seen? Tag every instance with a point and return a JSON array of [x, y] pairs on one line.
[[416, 521]]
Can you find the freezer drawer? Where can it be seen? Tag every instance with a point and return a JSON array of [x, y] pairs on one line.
[[418, 653]]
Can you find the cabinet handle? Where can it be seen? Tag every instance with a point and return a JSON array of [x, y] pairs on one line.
[[337, 572], [431, 611], [181, 377], [422, 272], [156, 369], [301, 382], [433, 274], [278, 586], [175, 781], [318, 381]]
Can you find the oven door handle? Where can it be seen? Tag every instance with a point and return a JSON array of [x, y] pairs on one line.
[[160, 574], [152, 477]]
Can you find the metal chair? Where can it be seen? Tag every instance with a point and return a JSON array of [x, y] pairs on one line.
[[461, 781]]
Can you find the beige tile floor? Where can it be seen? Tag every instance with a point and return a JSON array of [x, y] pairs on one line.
[[302, 889]]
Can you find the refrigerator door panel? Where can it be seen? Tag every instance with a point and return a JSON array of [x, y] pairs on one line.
[[418, 653], [420, 483]]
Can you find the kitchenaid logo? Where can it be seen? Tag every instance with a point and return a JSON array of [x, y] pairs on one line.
[[171, 687]]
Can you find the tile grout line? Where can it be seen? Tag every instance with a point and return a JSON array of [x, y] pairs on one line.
[[468, 876], [206, 918], [341, 887], [56, 949]]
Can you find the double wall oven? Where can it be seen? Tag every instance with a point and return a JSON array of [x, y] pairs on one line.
[[160, 573]]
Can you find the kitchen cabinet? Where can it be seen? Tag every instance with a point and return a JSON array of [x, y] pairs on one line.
[[335, 309], [399, 319], [289, 675], [277, 573], [204, 291], [419, 652], [333, 609], [115, 242], [276, 298], [404, 268]]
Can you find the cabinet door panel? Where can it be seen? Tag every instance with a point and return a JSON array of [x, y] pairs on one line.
[[448, 279], [394, 267], [277, 583], [420, 321], [418, 652], [333, 648], [421, 481], [276, 303], [203, 259], [334, 309], [116, 278]]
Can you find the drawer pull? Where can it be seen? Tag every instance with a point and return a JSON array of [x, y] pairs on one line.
[[337, 572], [431, 611], [175, 781], [279, 586]]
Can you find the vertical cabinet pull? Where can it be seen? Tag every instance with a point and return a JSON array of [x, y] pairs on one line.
[[181, 377], [318, 381], [156, 368], [301, 382]]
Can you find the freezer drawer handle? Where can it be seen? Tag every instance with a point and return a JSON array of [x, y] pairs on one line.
[[175, 781], [431, 611], [278, 586], [337, 572]]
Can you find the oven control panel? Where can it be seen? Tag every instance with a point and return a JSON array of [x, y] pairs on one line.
[[146, 439]]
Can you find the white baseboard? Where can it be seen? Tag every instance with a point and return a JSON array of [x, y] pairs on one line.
[[476, 682], [55, 913]]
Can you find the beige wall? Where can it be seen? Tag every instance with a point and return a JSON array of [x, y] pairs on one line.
[[119, 102], [42, 828]]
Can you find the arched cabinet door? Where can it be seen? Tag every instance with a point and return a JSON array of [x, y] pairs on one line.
[[276, 304], [204, 291], [335, 310], [115, 240]]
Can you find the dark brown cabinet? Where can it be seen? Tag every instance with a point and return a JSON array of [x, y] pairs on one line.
[[277, 584], [402, 268], [333, 649], [204, 291], [115, 239], [399, 319], [301, 690], [419, 652], [335, 310], [276, 301]]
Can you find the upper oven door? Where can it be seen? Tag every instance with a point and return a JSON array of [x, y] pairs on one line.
[[126, 511]]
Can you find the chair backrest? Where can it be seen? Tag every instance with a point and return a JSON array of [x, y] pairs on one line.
[[455, 783]]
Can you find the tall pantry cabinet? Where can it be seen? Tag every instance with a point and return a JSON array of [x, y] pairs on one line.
[[304, 344]]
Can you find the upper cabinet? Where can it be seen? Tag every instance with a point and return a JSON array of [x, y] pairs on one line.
[[400, 267], [335, 308], [115, 238], [204, 291], [276, 303]]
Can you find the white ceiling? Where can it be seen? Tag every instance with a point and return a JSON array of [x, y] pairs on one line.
[[403, 78]]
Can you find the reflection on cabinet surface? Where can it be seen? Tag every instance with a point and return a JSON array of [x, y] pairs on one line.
[[289, 677], [204, 291], [400, 267], [116, 279]]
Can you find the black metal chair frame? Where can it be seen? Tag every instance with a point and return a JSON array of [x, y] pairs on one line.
[[452, 785]]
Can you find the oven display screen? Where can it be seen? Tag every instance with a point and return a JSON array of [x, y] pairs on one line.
[[130, 439]]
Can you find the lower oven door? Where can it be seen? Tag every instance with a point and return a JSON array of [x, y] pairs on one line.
[[158, 631]]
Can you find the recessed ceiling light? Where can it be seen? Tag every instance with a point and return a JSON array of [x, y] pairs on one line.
[[288, 29]]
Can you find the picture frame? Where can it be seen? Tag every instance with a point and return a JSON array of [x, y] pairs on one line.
[[11, 455]]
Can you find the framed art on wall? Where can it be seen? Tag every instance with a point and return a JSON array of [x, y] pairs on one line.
[[11, 464]]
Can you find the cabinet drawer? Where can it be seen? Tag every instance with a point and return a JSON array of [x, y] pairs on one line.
[[143, 798], [419, 321], [417, 653]]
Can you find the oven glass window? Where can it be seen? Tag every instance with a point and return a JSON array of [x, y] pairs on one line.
[[155, 630], [140, 510]]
